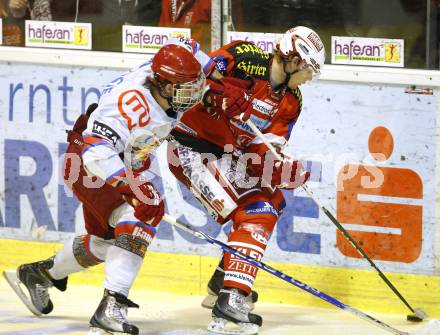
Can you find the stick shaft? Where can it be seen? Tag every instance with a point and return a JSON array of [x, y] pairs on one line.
[[281, 275], [362, 252]]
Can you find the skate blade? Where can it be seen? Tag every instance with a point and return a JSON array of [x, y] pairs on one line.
[[225, 327], [100, 331], [15, 283]]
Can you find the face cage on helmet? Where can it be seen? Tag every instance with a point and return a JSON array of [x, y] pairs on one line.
[[188, 94]]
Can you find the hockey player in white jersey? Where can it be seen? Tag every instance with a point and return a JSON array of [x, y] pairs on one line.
[[108, 152]]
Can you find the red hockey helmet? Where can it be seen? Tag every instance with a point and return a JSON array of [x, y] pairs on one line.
[[174, 64]]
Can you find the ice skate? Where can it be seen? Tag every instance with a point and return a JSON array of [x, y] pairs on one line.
[[231, 315], [111, 316], [211, 298], [216, 284], [35, 278]]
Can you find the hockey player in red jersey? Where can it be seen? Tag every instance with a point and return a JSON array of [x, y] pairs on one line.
[[134, 115], [213, 161]]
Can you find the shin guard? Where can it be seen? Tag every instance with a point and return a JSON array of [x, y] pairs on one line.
[[250, 233]]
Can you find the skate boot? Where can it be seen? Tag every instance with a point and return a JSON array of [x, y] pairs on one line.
[[37, 280], [111, 316], [216, 284], [231, 315]]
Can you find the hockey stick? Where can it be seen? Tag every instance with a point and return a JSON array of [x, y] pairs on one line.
[[432, 328], [419, 314]]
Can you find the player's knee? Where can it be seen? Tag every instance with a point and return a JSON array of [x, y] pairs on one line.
[[134, 237], [259, 216], [83, 253]]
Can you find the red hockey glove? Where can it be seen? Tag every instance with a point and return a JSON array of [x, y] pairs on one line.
[[287, 173], [146, 201], [228, 97]]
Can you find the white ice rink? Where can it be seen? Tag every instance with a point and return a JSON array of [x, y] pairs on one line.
[[169, 314]]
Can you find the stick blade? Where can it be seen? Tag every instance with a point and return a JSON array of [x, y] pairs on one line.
[[420, 313], [432, 328]]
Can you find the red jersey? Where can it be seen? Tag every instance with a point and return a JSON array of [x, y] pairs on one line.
[[274, 113]]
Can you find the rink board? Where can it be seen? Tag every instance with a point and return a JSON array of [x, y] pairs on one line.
[[333, 132], [189, 274], [340, 113]]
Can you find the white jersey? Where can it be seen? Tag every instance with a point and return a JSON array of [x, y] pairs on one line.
[[126, 107], [128, 116]]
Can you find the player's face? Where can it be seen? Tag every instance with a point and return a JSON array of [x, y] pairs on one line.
[[188, 94], [293, 64], [300, 77], [296, 70]]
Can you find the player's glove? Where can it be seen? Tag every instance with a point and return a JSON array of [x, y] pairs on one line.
[[146, 201], [287, 173], [229, 97]]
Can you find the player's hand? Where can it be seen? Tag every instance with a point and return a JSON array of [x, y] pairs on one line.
[[229, 97], [289, 174], [146, 201]]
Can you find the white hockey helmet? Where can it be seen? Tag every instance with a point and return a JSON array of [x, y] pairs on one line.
[[305, 43]]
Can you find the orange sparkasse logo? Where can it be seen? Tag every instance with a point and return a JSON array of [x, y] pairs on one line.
[[218, 205], [387, 229], [81, 35], [392, 52]]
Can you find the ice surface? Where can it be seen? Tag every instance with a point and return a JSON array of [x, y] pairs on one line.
[[169, 314]]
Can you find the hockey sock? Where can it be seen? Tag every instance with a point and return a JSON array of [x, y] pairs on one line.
[[121, 268]]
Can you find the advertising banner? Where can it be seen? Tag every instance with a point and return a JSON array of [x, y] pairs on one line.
[[149, 39], [265, 41], [55, 34], [367, 51], [371, 150]]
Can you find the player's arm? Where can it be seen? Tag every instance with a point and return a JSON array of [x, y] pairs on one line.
[[225, 59], [285, 173], [105, 162], [102, 159], [224, 94], [217, 64], [233, 80]]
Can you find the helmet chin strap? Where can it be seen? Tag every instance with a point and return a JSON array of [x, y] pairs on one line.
[[171, 113], [160, 88]]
